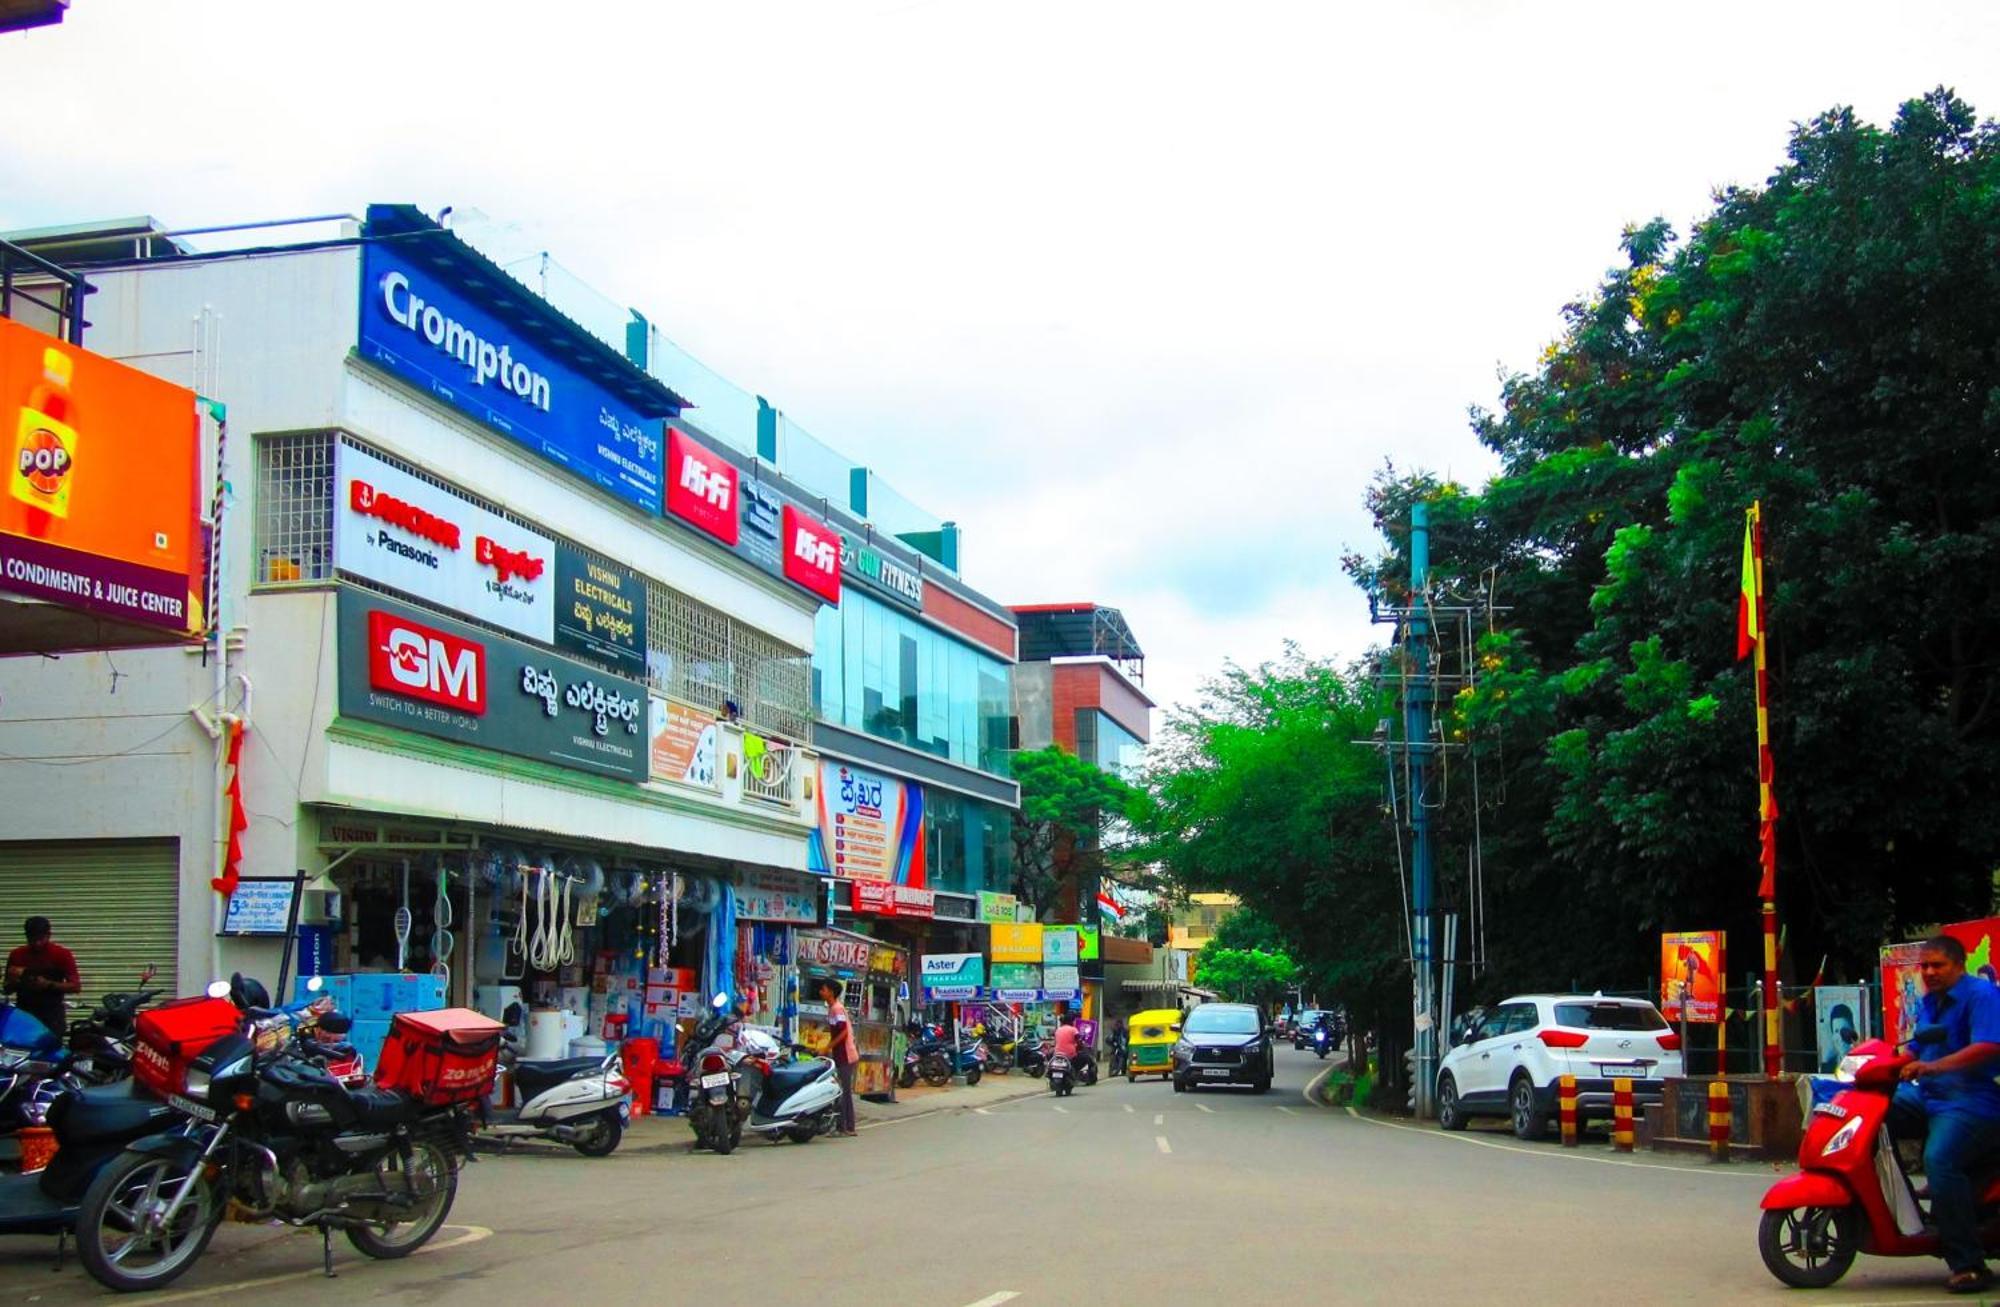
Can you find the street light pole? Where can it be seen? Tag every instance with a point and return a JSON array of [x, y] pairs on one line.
[[1417, 718]]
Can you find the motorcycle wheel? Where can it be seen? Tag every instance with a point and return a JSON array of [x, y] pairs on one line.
[[972, 1076], [907, 1078], [108, 1241], [602, 1141], [801, 1134], [1808, 1247], [722, 1134], [1089, 1074], [430, 1168], [936, 1070]]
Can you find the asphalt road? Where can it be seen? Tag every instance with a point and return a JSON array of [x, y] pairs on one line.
[[1121, 1194]]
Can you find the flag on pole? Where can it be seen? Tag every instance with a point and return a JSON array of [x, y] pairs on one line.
[[1749, 615], [1109, 904]]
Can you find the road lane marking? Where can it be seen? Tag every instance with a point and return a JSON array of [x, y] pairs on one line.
[[1204, 1107], [1161, 1140], [1564, 1155], [472, 1234], [1286, 1110], [1060, 1108], [983, 1111], [1127, 1106], [1312, 1087], [1159, 1118], [995, 1299]]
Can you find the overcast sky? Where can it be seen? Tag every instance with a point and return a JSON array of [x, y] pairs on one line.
[[1138, 293]]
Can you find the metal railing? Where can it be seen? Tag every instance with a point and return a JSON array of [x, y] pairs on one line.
[[44, 295]]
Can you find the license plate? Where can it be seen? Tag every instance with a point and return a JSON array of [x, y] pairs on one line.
[[711, 1082], [188, 1107], [1217, 1072], [1614, 1071]]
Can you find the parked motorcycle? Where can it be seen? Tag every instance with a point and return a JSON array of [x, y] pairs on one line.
[[798, 1098], [92, 1125], [100, 1045], [716, 1111], [277, 1135], [935, 1058], [1062, 1076], [585, 1102], [1851, 1193]]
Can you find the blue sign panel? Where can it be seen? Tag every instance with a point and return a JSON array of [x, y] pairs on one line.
[[420, 328]]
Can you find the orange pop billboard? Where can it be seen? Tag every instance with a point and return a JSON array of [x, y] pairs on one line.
[[101, 506], [1691, 965]]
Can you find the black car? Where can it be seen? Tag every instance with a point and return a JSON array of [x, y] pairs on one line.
[[1224, 1044]]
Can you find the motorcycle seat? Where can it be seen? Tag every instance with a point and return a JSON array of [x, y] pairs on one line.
[[788, 1079], [101, 1112], [532, 1078], [374, 1106]]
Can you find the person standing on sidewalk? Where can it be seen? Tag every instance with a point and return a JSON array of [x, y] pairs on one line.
[[840, 1030], [39, 973]]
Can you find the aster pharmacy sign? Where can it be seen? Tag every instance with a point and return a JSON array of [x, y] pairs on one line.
[[406, 533]]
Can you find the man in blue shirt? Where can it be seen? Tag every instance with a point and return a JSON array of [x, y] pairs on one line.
[[1951, 1089]]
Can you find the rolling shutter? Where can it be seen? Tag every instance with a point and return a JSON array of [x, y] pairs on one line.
[[114, 903]]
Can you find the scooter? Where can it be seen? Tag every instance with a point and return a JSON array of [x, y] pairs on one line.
[[1322, 1042], [798, 1098], [1062, 1077], [92, 1126], [585, 1102], [1851, 1193]]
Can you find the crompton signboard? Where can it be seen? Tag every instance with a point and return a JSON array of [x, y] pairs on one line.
[[404, 667], [425, 331], [410, 535]]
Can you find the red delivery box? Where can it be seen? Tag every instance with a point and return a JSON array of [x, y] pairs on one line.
[[442, 1057], [174, 1034]]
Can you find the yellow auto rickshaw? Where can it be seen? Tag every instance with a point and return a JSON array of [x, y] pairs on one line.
[[1149, 1042]]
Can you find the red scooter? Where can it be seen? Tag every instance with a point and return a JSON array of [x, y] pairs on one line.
[[1851, 1194]]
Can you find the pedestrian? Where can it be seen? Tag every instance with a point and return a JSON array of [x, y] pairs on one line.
[[1114, 1041], [39, 973], [840, 1031]]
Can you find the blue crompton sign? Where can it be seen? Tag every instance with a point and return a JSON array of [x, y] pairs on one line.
[[422, 329]]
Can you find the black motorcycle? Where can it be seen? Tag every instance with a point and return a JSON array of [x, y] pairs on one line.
[[717, 1105], [92, 1126], [280, 1136], [100, 1045]]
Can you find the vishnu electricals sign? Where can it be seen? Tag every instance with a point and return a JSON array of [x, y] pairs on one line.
[[423, 672], [427, 332]]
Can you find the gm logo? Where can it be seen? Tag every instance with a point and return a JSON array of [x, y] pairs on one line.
[[416, 661]]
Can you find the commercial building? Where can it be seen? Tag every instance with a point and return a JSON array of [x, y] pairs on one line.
[[521, 713]]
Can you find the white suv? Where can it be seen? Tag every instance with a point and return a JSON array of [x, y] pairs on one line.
[[1509, 1063]]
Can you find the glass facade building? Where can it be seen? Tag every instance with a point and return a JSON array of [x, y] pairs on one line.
[[1111, 747], [884, 673]]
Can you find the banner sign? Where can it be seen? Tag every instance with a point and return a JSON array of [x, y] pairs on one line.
[[887, 900], [762, 522], [811, 554], [261, 905], [1902, 991], [701, 487], [1016, 942], [1061, 984], [1692, 962], [997, 907], [403, 667], [953, 975], [684, 742], [830, 952], [1017, 977], [1060, 946], [434, 337], [1087, 937], [765, 895], [881, 574], [404, 532], [600, 610], [102, 499], [862, 823]]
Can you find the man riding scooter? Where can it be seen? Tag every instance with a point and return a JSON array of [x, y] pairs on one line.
[[1949, 1099]]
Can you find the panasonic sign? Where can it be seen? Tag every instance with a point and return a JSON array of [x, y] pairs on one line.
[[486, 361]]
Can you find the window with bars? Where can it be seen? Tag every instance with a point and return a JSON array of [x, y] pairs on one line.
[[295, 508], [702, 657]]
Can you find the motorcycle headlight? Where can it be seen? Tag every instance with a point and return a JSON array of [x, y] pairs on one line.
[[1849, 1066], [197, 1083], [1841, 1138]]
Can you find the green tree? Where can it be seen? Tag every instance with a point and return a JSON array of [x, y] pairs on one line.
[[1066, 805], [1244, 975]]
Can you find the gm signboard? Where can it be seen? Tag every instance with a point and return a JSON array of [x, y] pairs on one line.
[[432, 335]]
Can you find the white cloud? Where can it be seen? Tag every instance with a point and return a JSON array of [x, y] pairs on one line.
[[1141, 293]]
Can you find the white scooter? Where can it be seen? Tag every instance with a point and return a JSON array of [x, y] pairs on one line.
[[585, 1102], [798, 1098]]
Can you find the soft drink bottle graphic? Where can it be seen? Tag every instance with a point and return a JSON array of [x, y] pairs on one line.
[[44, 467]]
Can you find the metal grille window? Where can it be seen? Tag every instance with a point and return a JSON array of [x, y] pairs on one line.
[[702, 657], [295, 507]]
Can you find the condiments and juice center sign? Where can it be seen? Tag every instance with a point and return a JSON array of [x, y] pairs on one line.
[[431, 334], [403, 667], [101, 505]]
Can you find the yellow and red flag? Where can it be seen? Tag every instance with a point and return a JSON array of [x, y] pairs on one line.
[[1749, 603]]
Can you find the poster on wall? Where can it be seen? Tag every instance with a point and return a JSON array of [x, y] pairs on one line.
[[401, 531], [997, 907], [1692, 964], [600, 610], [1902, 990], [869, 827], [1060, 946], [767, 895], [103, 494], [417, 325], [1018, 942], [1978, 938], [684, 742], [1061, 984], [1838, 1010], [1017, 982]]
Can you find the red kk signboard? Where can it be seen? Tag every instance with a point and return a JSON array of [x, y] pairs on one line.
[[811, 552], [701, 487]]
